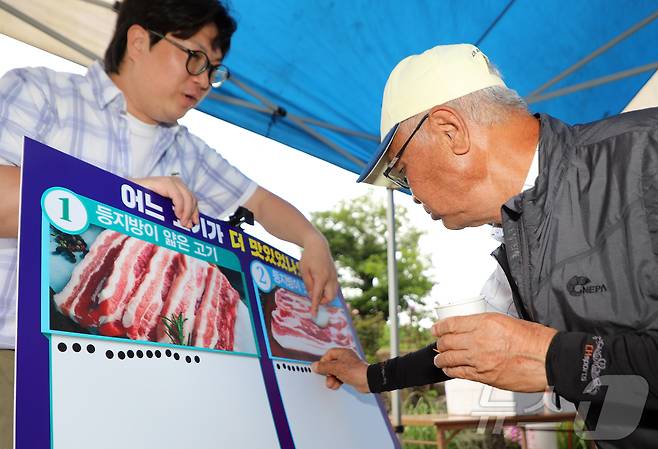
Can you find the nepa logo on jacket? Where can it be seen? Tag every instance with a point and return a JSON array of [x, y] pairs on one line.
[[580, 285]]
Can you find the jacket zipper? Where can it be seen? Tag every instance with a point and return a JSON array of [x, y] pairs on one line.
[[525, 266], [501, 257]]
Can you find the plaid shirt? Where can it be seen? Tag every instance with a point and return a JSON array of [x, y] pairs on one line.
[[85, 116]]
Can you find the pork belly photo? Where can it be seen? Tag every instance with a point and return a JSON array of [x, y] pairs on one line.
[[294, 334], [119, 286]]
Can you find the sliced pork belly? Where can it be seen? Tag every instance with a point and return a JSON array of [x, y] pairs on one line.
[[143, 309], [214, 325], [186, 289], [129, 269], [293, 327], [227, 316], [89, 277]]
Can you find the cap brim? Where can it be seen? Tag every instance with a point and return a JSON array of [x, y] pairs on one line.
[[374, 172]]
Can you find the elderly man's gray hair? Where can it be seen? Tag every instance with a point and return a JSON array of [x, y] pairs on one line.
[[489, 106], [486, 107]]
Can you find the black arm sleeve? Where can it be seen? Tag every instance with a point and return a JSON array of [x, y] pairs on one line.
[[410, 370], [575, 361]]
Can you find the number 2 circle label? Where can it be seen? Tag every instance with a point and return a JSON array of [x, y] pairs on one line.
[[65, 210], [261, 276]]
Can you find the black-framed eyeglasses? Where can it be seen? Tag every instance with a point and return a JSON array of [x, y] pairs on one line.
[[198, 62], [398, 176]]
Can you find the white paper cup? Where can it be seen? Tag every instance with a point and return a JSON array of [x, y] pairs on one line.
[[461, 307]]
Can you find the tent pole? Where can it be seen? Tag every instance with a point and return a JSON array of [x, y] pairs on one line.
[[339, 129], [393, 306], [310, 131], [297, 121], [241, 103], [102, 4], [267, 110], [650, 18], [48, 31], [593, 83]]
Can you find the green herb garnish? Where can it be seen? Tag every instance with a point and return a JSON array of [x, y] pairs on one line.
[[174, 329]]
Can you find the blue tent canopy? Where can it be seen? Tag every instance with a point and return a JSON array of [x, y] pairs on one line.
[[303, 69], [310, 74]]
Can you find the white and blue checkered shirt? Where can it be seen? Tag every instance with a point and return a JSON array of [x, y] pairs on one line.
[[85, 116]]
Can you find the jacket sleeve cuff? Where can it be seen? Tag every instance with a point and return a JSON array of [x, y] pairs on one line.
[[410, 370], [376, 377], [571, 363]]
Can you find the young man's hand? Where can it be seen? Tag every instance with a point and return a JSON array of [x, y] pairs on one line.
[[186, 206], [284, 221], [10, 184], [318, 271]]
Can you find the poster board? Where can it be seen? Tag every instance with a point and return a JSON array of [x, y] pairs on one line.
[[133, 330]]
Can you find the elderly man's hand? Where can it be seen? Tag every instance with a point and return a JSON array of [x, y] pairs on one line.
[[494, 349], [343, 366]]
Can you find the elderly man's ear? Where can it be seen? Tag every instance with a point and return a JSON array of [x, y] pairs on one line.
[[448, 126]]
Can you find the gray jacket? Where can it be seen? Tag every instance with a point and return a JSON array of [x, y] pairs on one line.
[[581, 254]]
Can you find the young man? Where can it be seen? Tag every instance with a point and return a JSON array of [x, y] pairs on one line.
[[122, 116], [580, 248]]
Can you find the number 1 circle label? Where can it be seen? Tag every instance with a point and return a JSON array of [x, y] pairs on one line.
[[65, 210]]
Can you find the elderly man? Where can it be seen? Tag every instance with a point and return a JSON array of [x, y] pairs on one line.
[[580, 246]]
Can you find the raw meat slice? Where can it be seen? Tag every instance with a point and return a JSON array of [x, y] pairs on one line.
[[89, 277], [214, 325], [186, 289], [293, 327], [142, 312], [227, 316], [129, 269]]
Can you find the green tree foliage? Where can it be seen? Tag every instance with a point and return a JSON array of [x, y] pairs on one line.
[[356, 231], [411, 337], [370, 330]]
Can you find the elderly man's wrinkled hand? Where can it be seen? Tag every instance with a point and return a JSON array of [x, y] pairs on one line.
[[341, 366], [494, 349], [318, 271]]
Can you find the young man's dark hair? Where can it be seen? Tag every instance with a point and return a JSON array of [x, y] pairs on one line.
[[183, 18]]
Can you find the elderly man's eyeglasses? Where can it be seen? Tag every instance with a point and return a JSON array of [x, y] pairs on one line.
[[198, 62], [395, 175]]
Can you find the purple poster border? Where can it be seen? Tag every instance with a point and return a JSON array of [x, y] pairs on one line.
[[46, 167]]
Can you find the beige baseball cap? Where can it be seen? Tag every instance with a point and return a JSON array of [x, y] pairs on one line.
[[420, 82]]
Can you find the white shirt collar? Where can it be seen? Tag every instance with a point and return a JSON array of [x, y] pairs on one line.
[[529, 183], [533, 172]]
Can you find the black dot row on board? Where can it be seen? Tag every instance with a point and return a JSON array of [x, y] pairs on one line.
[[122, 355], [296, 368]]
